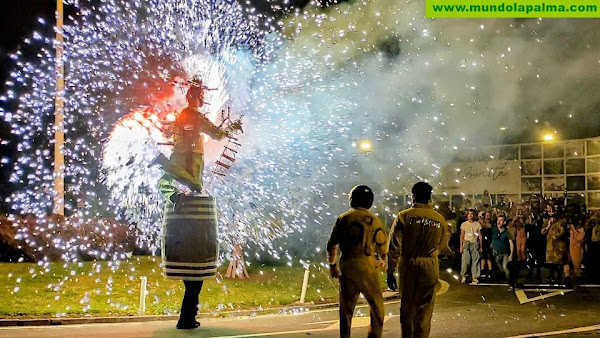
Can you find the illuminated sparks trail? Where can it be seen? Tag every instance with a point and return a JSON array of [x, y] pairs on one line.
[[363, 92], [124, 60]]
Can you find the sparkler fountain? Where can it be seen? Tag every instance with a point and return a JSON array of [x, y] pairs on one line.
[[311, 85]]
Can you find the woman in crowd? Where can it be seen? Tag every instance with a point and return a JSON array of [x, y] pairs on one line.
[[517, 229], [576, 244], [557, 252], [486, 250], [521, 238], [534, 222]]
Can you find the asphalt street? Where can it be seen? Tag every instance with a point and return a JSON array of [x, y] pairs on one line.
[[461, 310]]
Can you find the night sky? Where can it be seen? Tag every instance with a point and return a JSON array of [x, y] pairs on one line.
[[16, 19]]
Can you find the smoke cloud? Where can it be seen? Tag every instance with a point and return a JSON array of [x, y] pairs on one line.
[[421, 90]]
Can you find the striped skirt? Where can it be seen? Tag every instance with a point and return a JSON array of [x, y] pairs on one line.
[[189, 246]]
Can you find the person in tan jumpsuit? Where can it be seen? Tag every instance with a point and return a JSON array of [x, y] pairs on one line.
[[362, 241], [416, 238]]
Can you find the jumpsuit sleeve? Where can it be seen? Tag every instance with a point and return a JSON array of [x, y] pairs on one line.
[[333, 243], [207, 127], [445, 240], [380, 240], [395, 244]]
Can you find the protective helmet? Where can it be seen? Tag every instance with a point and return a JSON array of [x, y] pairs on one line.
[[361, 196]]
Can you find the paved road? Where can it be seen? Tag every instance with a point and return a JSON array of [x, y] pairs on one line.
[[461, 311]]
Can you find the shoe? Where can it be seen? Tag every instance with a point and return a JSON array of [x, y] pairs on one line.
[[160, 159], [463, 280], [188, 325], [475, 281], [512, 288]]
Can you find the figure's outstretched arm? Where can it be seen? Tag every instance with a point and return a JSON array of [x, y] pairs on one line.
[[207, 127]]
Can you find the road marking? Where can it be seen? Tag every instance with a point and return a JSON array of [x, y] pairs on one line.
[[444, 286], [488, 284], [536, 285], [389, 293], [357, 322], [522, 297], [554, 333], [336, 308], [273, 333]]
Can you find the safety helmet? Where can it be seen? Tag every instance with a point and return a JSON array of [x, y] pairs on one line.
[[361, 196]]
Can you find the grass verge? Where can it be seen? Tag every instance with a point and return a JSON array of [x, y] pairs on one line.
[[104, 288]]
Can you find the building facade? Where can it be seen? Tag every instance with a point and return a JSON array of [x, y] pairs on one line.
[[516, 172]]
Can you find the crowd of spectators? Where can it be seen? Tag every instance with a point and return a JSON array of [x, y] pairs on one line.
[[555, 243]]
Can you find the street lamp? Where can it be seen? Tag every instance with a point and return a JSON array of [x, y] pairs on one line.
[[550, 136], [365, 145]]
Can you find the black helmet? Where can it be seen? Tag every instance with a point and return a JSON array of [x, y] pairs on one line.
[[361, 196]]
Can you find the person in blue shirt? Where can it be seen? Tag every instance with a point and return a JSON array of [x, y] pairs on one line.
[[502, 247]]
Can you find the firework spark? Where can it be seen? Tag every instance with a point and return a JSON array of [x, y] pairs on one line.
[[312, 84]]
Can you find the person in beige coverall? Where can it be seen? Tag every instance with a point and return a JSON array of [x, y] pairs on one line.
[[416, 237], [362, 240]]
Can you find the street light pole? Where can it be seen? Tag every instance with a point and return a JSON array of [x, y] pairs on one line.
[[59, 107]]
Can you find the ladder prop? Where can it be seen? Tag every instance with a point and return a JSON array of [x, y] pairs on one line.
[[237, 266], [226, 159], [228, 156]]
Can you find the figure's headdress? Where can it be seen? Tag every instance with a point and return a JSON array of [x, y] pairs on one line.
[[196, 89]]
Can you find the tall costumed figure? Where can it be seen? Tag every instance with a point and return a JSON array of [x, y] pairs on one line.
[[189, 245]]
